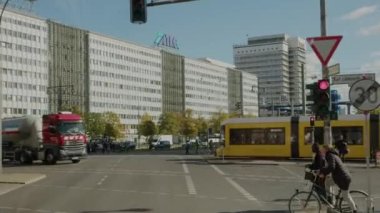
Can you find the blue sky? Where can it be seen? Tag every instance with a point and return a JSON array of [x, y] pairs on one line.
[[209, 28]]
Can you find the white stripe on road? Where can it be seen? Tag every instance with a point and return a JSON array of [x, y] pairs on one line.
[[241, 189], [102, 180], [185, 168], [218, 170], [290, 172], [190, 185], [189, 181]]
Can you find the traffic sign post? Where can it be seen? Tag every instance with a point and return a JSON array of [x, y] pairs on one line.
[[324, 47], [365, 95]]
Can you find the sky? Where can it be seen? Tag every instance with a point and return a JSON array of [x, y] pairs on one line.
[[209, 28]]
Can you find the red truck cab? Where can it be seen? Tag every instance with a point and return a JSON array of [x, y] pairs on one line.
[[64, 137]]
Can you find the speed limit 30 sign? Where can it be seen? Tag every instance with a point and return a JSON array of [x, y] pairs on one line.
[[365, 95]]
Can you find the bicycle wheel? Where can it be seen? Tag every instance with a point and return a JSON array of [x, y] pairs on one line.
[[304, 202], [360, 200]]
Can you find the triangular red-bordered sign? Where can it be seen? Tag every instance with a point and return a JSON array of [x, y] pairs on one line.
[[324, 47]]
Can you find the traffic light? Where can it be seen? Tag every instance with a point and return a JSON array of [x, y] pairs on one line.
[[138, 11], [322, 103], [312, 96]]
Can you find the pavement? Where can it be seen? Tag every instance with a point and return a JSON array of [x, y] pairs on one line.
[[165, 182]]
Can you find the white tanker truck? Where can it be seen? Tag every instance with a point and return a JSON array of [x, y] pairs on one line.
[[53, 137]]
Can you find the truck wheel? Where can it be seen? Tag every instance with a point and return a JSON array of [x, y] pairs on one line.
[[50, 158], [25, 158], [75, 161]]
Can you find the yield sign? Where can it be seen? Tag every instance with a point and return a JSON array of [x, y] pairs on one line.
[[324, 47]]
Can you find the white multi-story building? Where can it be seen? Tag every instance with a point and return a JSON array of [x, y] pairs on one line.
[[250, 94], [206, 87], [277, 62], [24, 64], [125, 78]]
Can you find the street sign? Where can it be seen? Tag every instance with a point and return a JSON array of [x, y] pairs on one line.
[[334, 69], [324, 47], [351, 78], [365, 95]]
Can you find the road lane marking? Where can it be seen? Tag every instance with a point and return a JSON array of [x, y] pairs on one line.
[[290, 172], [190, 185], [246, 194], [102, 180], [218, 170], [185, 168]]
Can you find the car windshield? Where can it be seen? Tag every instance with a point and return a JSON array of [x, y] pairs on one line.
[[71, 127]]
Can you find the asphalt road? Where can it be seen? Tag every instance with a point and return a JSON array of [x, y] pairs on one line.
[[162, 183]]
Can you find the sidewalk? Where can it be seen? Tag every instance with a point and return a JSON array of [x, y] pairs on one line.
[[13, 181], [20, 178]]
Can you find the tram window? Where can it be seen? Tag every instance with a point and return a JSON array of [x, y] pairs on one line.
[[318, 135], [352, 134], [257, 136]]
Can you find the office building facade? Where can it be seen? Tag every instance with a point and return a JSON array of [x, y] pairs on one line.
[[277, 61], [48, 67], [24, 64]]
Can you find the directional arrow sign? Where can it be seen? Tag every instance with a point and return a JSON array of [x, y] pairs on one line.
[[324, 47]]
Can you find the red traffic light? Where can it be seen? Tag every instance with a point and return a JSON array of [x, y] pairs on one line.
[[312, 120], [323, 85]]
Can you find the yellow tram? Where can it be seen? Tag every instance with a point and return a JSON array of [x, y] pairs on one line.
[[290, 137]]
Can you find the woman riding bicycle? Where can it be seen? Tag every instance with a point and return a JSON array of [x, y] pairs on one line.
[[339, 172]]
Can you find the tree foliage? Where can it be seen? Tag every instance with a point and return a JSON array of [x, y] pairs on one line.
[[202, 126], [113, 127], [216, 120], [168, 124], [188, 127], [147, 127]]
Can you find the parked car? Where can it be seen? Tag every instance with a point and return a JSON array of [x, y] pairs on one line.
[[162, 145], [128, 145]]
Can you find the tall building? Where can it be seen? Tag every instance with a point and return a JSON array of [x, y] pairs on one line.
[[242, 93], [277, 62], [206, 90], [125, 78], [47, 67], [24, 64], [173, 82], [68, 67]]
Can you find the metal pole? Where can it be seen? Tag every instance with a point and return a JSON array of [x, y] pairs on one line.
[[368, 154], [303, 89], [327, 127], [272, 107], [1, 96]]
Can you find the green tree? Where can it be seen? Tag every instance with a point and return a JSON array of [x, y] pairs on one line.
[[147, 127], [188, 126], [95, 124], [168, 123], [113, 127], [216, 120], [201, 125]]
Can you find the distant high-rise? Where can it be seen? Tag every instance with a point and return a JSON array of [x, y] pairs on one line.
[[277, 61]]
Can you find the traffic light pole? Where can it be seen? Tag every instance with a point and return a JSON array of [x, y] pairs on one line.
[[325, 75]]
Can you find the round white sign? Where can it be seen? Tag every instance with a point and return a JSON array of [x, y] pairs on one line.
[[365, 95]]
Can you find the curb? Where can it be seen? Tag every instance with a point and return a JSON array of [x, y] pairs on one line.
[[19, 178]]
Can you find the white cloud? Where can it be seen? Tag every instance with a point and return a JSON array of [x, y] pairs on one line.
[[375, 54], [360, 12], [372, 67], [370, 30]]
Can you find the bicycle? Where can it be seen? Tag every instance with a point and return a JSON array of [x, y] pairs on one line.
[[311, 201]]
